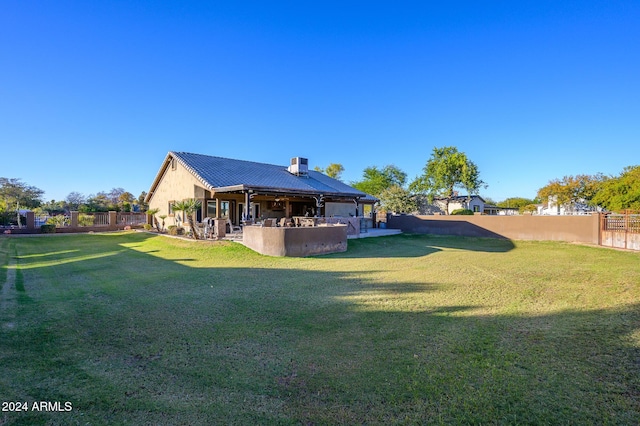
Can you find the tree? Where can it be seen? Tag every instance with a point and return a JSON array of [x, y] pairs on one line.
[[333, 170], [375, 180], [14, 195], [75, 200], [126, 197], [114, 195], [97, 203], [398, 200], [15, 192], [522, 204], [446, 170], [52, 208], [572, 189], [143, 206], [189, 208], [124, 200], [620, 193]]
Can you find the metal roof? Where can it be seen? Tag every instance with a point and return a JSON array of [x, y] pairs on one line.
[[225, 175]]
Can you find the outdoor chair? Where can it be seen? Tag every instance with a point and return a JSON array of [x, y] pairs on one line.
[[208, 227], [233, 228]]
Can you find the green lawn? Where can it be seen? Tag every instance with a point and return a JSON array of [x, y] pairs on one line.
[[132, 328]]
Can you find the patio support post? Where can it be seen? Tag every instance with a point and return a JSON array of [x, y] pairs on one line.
[[217, 208], [374, 215], [247, 205]]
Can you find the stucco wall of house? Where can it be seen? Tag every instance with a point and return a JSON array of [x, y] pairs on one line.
[[176, 184]]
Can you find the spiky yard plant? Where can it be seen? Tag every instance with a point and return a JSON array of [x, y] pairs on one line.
[[189, 207]]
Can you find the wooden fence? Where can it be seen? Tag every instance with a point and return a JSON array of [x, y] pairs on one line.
[[83, 222], [620, 231]]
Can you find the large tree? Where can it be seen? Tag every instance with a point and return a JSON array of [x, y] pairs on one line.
[[396, 199], [16, 195], [522, 204], [75, 200], [143, 206], [446, 170], [14, 192], [620, 193], [52, 208], [97, 203], [333, 170], [572, 189], [375, 180]]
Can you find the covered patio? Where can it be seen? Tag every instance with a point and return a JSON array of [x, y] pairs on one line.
[[240, 193]]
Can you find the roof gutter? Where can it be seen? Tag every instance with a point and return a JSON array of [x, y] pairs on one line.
[[284, 191]]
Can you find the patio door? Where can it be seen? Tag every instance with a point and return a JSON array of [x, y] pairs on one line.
[[240, 213]]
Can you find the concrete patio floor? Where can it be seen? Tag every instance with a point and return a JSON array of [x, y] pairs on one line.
[[376, 232]]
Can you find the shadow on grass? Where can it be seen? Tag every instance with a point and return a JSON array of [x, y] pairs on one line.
[[153, 341], [414, 245]]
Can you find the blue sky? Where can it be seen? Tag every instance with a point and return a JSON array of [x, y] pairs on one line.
[[94, 94]]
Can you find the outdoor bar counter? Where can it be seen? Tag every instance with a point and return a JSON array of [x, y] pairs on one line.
[[296, 241]]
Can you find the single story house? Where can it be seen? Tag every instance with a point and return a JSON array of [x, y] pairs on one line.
[[553, 208], [249, 191], [474, 203]]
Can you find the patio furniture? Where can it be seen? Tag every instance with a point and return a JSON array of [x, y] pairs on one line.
[[233, 228], [307, 221], [209, 229]]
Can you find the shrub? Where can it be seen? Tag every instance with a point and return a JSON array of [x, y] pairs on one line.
[[58, 220], [174, 230], [147, 227], [85, 219], [463, 212], [48, 229]]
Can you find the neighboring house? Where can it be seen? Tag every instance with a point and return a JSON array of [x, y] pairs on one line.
[[475, 203], [552, 208], [508, 211], [244, 190]]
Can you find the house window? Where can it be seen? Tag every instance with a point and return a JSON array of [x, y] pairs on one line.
[[224, 209], [170, 208], [211, 208], [476, 209]]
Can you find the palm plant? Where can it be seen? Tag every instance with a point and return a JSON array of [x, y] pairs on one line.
[[189, 208], [152, 213]]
